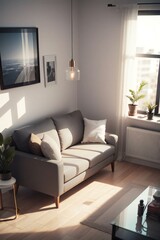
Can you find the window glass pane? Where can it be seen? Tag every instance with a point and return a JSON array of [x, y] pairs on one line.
[[148, 34], [147, 70]]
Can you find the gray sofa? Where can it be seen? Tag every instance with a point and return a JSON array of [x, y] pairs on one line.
[[72, 161]]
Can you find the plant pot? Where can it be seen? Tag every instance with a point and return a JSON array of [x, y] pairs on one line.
[[5, 176], [149, 116], [132, 110]]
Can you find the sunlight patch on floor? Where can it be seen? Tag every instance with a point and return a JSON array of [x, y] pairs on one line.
[[103, 193]]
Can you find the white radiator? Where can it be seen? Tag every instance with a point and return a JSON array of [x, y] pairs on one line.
[[143, 144]]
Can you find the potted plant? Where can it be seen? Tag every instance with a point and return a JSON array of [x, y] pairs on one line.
[[150, 112], [7, 153], [135, 96]]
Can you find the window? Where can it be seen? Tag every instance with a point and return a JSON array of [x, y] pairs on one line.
[[148, 57]]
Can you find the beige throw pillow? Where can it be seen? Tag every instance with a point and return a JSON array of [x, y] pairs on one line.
[[35, 144], [94, 131], [50, 148]]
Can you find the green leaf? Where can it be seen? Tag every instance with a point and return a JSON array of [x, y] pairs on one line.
[[7, 153], [1, 139], [136, 95], [7, 141]]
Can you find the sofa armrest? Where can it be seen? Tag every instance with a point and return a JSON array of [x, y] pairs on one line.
[[113, 140], [38, 173]]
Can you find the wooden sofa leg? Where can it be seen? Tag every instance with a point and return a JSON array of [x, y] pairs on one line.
[[112, 166], [57, 201]]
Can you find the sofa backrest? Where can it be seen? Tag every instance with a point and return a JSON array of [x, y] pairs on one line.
[[21, 136], [70, 128]]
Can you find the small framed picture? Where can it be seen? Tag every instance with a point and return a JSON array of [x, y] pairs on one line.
[[49, 69]]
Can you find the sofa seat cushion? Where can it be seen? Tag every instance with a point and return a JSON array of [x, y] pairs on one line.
[[93, 153], [73, 166]]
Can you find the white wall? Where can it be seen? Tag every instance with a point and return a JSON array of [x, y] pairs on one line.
[[99, 34], [98, 37], [22, 105]]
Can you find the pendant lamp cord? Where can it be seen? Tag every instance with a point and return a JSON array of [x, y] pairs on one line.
[[71, 29]]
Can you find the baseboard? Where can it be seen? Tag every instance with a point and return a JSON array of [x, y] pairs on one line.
[[142, 162]]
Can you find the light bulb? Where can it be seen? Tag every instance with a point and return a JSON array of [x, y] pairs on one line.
[[72, 73]]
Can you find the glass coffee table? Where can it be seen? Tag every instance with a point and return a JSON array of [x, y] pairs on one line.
[[129, 226]]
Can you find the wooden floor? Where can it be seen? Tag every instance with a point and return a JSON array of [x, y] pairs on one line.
[[39, 219]]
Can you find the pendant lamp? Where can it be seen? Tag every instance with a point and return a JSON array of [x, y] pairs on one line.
[[72, 73]]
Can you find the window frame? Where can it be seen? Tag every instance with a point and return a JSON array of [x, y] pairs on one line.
[[152, 13]]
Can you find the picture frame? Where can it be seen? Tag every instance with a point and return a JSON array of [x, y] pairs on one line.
[[50, 66], [19, 57]]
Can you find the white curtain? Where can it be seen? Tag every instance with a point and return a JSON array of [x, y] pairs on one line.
[[127, 70]]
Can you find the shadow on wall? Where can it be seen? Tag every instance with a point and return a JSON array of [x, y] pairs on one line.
[[15, 108], [18, 108], [24, 105]]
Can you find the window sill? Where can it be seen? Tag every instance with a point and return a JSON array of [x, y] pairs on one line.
[[141, 121], [144, 118]]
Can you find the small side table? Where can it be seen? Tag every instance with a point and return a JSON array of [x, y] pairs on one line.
[[8, 184]]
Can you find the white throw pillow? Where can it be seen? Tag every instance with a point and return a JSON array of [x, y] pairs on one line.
[[50, 148], [94, 131]]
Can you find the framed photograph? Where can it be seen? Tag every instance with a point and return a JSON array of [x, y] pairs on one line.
[[19, 57], [49, 69]]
